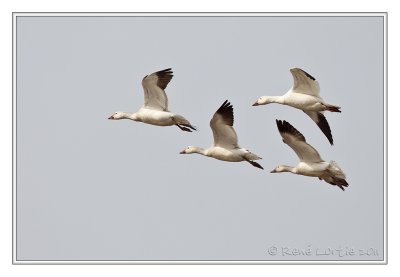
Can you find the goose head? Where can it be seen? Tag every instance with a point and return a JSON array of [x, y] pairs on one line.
[[263, 100], [118, 115], [189, 150], [278, 169]]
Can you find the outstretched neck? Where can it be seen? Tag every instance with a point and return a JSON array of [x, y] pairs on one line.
[[131, 116], [276, 99], [200, 151], [287, 168]]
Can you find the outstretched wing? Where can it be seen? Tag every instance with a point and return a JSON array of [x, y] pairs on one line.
[[297, 142], [153, 87], [304, 83], [322, 123], [221, 125]]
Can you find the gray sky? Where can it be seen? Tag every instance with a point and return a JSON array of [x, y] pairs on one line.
[[89, 188]]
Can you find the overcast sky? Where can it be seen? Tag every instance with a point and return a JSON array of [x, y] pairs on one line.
[[89, 188]]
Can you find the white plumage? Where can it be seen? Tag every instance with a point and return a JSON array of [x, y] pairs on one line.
[[304, 95], [225, 146], [310, 163], [155, 109]]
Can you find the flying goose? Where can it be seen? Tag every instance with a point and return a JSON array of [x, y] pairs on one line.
[[155, 109], [304, 95], [225, 147], [310, 163]]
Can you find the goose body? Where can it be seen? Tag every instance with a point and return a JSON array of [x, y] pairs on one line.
[[304, 95], [230, 155], [225, 146], [155, 109], [303, 102], [310, 163]]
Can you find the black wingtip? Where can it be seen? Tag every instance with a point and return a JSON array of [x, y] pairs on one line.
[[226, 106], [258, 166], [226, 110], [324, 127], [165, 72], [308, 75], [279, 124], [255, 164], [286, 127], [283, 125], [164, 77]]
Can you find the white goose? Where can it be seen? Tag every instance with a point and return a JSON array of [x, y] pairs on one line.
[[155, 109], [225, 147], [304, 95], [310, 163]]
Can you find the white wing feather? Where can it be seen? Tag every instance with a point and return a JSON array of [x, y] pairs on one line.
[[153, 87], [304, 83], [222, 127], [297, 142]]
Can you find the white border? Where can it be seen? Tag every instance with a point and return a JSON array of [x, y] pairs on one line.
[[196, 14]]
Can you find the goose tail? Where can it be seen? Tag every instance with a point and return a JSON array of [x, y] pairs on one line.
[[338, 177], [341, 183], [180, 120], [332, 108]]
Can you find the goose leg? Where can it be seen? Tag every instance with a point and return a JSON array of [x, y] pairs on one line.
[[181, 122], [183, 128], [189, 126], [332, 108]]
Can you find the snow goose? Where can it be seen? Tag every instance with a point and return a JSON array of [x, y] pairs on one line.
[[155, 109], [225, 147], [310, 163], [304, 95]]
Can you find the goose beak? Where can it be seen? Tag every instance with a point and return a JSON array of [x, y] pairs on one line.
[[256, 104], [111, 117], [273, 171], [182, 152]]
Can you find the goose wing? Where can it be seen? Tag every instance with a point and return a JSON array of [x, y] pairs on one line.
[[322, 123], [297, 142], [304, 83], [221, 125], [154, 86]]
